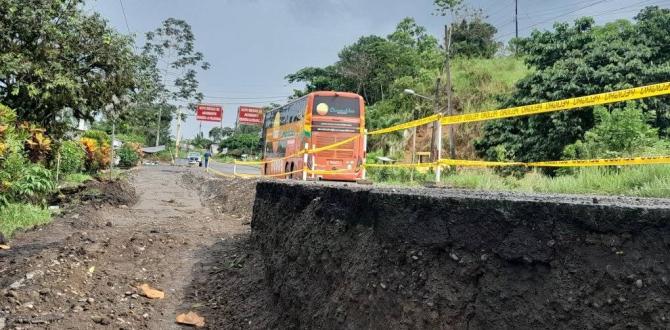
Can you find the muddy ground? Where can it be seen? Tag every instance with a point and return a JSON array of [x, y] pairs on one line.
[[172, 228]]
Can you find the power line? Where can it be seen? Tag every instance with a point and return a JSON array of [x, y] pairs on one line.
[[606, 12], [125, 18], [556, 17], [245, 98], [255, 103], [635, 6]]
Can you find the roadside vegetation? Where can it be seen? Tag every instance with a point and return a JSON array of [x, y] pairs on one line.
[[44, 101], [572, 59]]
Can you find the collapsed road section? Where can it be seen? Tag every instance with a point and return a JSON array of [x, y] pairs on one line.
[[353, 257]]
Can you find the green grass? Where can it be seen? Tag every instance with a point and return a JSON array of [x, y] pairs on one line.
[[642, 181], [75, 179], [221, 158], [18, 216], [479, 82]]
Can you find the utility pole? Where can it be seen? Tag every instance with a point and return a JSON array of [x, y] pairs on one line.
[[437, 135], [516, 17], [450, 110], [111, 163], [436, 145], [158, 128], [178, 137]]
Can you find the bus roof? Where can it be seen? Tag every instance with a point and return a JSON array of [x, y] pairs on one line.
[[319, 93]]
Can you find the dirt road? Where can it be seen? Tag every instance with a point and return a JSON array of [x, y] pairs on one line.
[[82, 271]]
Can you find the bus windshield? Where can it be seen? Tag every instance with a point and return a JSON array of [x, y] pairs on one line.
[[336, 106]]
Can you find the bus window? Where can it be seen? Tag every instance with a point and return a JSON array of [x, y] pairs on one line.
[[336, 106]]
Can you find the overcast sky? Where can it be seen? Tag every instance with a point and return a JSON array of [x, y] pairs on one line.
[[253, 44]]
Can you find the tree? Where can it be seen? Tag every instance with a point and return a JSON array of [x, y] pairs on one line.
[[172, 47], [578, 60], [474, 38], [241, 143], [371, 65], [217, 134], [444, 7], [57, 59]]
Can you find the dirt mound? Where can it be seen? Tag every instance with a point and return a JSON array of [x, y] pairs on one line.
[[114, 193], [118, 192], [379, 258], [233, 196]]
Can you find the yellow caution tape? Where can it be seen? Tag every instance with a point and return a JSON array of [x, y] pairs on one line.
[[334, 145], [409, 124], [220, 173], [563, 163], [400, 165], [476, 163], [261, 162], [567, 104], [301, 152], [603, 162]]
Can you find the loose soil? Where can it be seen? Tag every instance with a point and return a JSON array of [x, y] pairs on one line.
[[172, 228], [336, 256]]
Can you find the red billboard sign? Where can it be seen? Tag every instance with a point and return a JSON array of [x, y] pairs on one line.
[[206, 112], [250, 116]]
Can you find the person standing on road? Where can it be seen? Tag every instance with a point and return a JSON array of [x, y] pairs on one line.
[[207, 155]]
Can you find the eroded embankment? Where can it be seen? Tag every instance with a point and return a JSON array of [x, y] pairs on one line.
[[342, 257]]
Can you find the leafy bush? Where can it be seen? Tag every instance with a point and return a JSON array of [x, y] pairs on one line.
[[622, 132], [97, 155], [23, 181], [129, 155], [72, 157], [35, 183], [101, 137], [37, 143], [9, 142]]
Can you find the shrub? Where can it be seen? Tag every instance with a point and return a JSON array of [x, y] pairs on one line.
[[129, 155], [37, 144], [72, 157], [35, 183], [97, 155], [23, 181], [9, 142], [101, 137], [617, 133]]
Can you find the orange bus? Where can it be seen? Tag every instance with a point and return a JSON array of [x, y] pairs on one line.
[[316, 120]]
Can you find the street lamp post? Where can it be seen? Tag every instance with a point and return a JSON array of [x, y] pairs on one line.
[[437, 131]]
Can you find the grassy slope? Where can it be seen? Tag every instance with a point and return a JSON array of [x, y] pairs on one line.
[[478, 86], [17, 216]]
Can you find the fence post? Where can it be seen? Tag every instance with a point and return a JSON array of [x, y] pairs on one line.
[[438, 167], [365, 151], [304, 162], [235, 167], [313, 162]]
